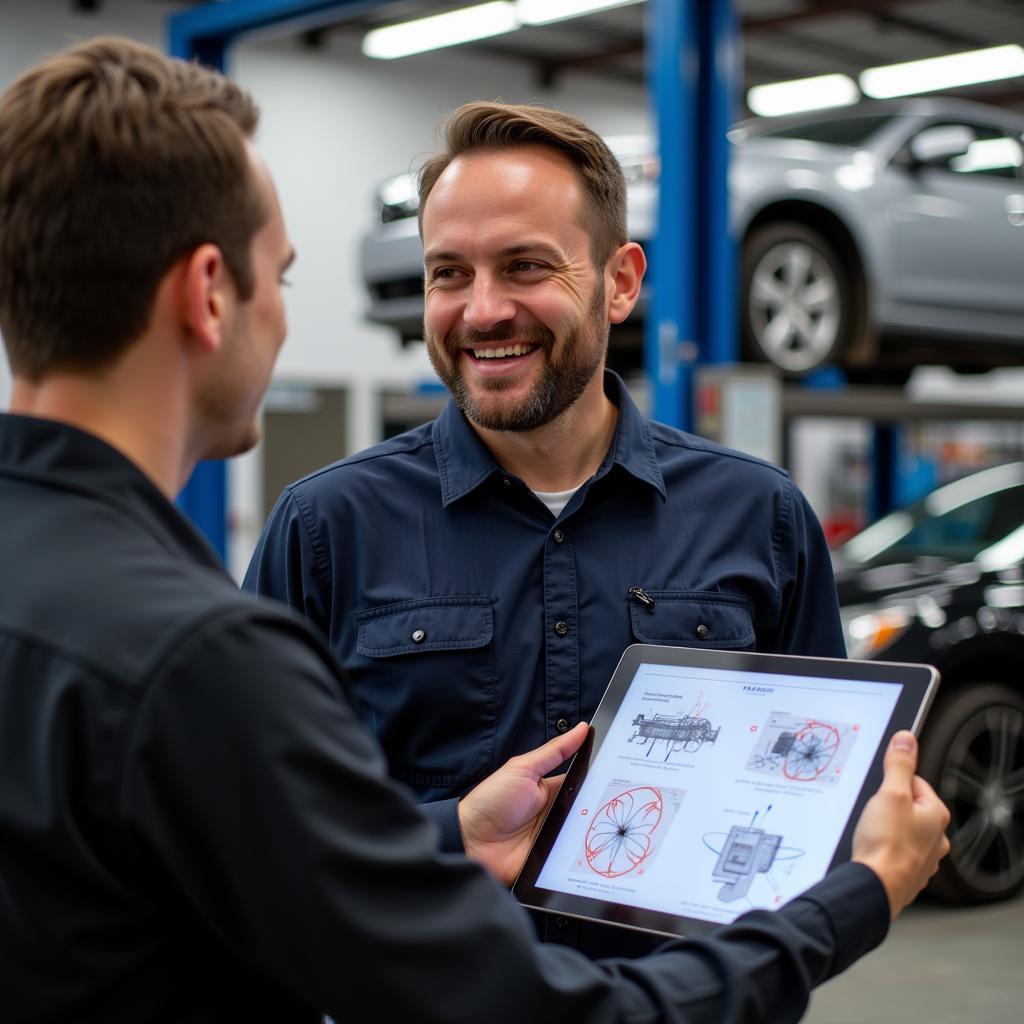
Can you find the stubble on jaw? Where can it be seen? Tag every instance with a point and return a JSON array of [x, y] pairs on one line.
[[580, 355]]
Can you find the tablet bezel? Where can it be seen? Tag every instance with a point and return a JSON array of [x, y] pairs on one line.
[[919, 682]]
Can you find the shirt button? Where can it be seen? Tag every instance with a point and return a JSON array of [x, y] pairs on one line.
[[561, 628], [561, 923], [418, 636], [562, 725], [559, 536], [702, 632], [507, 482]]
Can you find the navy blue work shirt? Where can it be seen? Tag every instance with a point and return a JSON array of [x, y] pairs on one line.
[[475, 625]]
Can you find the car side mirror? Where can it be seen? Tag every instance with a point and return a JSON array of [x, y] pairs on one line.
[[936, 146]]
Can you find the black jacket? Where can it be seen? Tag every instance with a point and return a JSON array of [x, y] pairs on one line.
[[195, 827]]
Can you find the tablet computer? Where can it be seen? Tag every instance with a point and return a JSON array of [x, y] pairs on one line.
[[716, 782]]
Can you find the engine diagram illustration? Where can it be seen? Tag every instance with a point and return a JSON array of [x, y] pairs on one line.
[[687, 732], [802, 749], [627, 828], [745, 852]]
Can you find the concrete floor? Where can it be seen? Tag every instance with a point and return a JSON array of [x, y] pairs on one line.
[[939, 965]]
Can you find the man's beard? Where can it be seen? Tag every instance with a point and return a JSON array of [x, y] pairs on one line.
[[581, 354]]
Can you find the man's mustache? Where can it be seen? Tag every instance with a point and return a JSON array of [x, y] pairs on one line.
[[533, 334]]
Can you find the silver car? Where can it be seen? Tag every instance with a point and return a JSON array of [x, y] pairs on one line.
[[875, 238]]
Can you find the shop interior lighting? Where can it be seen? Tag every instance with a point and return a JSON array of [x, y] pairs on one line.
[[543, 12], [471, 23], [802, 94], [951, 72], [439, 30]]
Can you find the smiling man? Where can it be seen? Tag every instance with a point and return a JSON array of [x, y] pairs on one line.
[[481, 575]]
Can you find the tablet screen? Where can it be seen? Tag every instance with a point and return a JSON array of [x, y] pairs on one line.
[[713, 791]]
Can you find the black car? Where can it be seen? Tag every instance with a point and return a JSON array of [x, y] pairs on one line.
[[943, 582]]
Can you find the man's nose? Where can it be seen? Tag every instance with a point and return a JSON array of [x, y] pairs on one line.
[[489, 304]]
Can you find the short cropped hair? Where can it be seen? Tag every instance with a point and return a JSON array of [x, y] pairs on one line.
[[115, 162], [483, 126]]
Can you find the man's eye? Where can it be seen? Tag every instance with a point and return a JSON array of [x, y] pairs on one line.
[[525, 266], [444, 274]]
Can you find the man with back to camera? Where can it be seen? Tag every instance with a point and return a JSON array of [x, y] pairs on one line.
[[193, 824], [480, 576]]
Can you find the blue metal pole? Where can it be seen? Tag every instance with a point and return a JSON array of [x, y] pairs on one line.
[[720, 71], [671, 325]]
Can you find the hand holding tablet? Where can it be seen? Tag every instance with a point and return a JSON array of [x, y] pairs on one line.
[[715, 782]]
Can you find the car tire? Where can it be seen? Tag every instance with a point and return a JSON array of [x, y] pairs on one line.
[[972, 752], [797, 303]]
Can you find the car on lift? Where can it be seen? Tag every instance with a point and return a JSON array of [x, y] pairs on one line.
[[873, 238], [942, 582]]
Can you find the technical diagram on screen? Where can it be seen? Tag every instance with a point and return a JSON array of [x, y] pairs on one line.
[[803, 749], [627, 829], [714, 782], [687, 732], [747, 852]]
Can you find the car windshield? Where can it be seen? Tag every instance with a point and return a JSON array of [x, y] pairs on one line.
[[979, 517], [846, 131]]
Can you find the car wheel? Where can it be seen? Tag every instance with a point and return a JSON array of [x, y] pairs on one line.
[[973, 754], [797, 307]]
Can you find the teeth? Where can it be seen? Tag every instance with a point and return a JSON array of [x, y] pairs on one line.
[[501, 353]]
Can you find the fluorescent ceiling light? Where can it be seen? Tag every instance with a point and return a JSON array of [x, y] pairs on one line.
[[802, 94], [943, 72], [439, 30], [543, 12]]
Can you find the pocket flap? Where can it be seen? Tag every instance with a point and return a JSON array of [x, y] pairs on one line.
[[693, 619], [426, 624]]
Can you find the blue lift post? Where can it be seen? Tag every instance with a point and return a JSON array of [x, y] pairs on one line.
[[204, 34], [693, 55]]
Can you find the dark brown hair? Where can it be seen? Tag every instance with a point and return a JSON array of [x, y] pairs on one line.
[[115, 161], [497, 126]]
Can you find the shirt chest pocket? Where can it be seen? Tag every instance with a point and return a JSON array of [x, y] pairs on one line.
[[425, 676], [693, 619]]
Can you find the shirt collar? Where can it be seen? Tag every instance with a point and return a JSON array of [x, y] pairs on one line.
[[62, 456], [464, 461]]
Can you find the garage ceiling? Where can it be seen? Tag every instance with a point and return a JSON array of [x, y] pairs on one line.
[[781, 39]]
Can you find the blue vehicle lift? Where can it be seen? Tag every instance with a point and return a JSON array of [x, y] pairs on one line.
[[693, 55]]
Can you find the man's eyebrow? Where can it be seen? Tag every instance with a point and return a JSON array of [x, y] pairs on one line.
[[436, 254], [521, 249], [532, 249]]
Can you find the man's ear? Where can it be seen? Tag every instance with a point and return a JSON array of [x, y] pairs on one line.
[[626, 269], [208, 290]]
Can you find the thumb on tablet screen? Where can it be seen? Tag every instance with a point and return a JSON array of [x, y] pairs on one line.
[[901, 833]]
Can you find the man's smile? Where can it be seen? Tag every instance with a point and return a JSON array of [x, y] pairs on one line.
[[501, 351]]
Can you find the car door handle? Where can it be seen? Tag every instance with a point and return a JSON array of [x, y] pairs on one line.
[[1015, 210]]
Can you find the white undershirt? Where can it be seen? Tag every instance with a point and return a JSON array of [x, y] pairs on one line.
[[557, 500]]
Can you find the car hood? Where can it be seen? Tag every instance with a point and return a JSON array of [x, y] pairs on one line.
[[889, 580]]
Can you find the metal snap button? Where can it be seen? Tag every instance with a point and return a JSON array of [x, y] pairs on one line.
[[561, 923], [507, 482], [418, 636], [561, 628], [562, 725], [702, 632], [558, 536]]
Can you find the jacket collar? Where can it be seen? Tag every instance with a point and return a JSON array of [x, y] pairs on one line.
[[58, 455]]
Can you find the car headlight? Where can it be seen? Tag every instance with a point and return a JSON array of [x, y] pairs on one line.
[[869, 631]]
